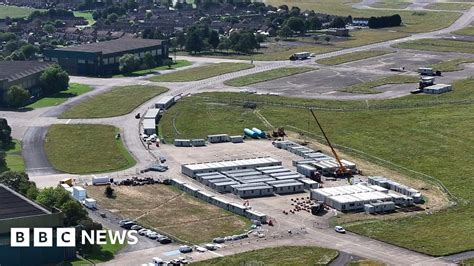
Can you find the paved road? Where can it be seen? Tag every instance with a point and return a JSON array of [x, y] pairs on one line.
[[37, 163]]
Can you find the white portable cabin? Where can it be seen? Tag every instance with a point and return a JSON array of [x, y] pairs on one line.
[[255, 215], [190, 189], [378, 207], [165, 102], [290, 176], [178, 183], [275, 171], [198, 142], [218, 138], [237, 208], [90, 203], [309, 184], [192, 169], [426, 71], [205, 179], [203, 195], [437, 89], [152, 114], [79, 193], [289, 186], [100, 180], [236, 139], [223, 186], [306, 170], [262, 179], [182, 143], [252, 190], [220, 202], [283, 144], [261, 169], [149, 126]]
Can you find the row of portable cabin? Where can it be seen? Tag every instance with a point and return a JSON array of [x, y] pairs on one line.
[[189, 142], [79, 193], [220, 202], [220, 138], [397, 187]]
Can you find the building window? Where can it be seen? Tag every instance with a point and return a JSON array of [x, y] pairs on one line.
[[54, 59], [142, 54], [81, 61], [153, 52], [105, 61], [160, 52]]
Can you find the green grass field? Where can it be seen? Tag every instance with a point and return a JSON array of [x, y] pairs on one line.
[[392, 4], [84, 149], [13, 159], [138, 73], [204, 72], [86, 15], [439, 45], [60, 97], [345, 58], [97, 254], [436, 141], [468, 31], [284, 255], [468, 262], [449, 6], [267, 75], [15, 12], [368, 87], [452, 65], [118, 101]]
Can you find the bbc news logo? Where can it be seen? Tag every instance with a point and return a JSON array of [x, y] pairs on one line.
[[66, 237]]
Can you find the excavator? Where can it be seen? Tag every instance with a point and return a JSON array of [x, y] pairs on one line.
[[342, 171], [279, 133]]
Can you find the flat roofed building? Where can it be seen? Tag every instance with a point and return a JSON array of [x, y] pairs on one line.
[[192, 169], [25, 74], [102, 58]]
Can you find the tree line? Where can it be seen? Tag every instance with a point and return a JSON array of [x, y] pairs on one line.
[[385, 21]]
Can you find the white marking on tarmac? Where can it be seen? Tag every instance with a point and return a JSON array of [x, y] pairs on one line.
[[67, 122], [215, 253]]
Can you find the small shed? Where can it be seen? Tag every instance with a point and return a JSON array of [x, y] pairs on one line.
[[165, 102], [153, 113], [255, 215], [309, 184], [149, 126], [218, 138], [182, 143], [198, 142], [236, 139]]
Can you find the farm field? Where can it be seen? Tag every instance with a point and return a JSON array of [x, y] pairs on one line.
[[171, 211], [203, 72], [267, 75], [84, 149], [118, 101]]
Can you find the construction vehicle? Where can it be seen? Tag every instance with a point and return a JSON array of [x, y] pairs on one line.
[[342, 171], [317, 208], [279, 133], [428, 71], [424, 82]]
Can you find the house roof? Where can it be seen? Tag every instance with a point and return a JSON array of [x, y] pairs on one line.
[[15, 205], [13, 70], [113, 46]]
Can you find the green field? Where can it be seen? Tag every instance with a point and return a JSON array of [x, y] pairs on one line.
[[452, 65], [345, 58], [284, 255], [84, 149], [13, 159], [468, 31], [267, 75], [468, 262], [368, 87], [392, 4], [171, 211], [60, 97], [203, 72], [86, 15], [118, 101], [418, 132], [138, 73], [439, 45], [449, 6], [15, 12], [97, 254]]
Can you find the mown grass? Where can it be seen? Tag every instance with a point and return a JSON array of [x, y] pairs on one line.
[[392, 4], [267, 75], [345, 58], [452, 65], [468, 262], [284, 255], [84, 149], [171, 211], [86, 15], [13, 159], [60, 97], [368, 87], [138, 73], [118, 101], [365, 263], [449, 6], [437, 141], [413, 21], [439, 45], [15, 11], [468, 31], [204, 72]]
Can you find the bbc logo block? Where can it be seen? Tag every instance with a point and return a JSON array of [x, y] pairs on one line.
[[42, 237]]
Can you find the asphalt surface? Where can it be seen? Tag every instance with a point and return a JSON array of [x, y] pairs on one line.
[[34, 154]]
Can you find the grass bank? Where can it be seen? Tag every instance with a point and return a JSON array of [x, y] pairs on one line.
[[118, 101], [15, 11], [84, 149], [13, 159], [285, 255], [86, 15], [439, 45], [267, 75], [204, 72], [452, 65], [60, 97], [450, 6], [368, 87], [138, 73], [345, 58], [468, 31]]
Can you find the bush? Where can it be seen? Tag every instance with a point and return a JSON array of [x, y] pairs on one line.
[[109, 192], [385, 21], [54, 79], [17, 96], [129, 63]]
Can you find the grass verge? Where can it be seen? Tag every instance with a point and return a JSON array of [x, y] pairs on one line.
[[392, 4], [13, 159], [138, 73], [84, 149], [285, 255], [171, 211], [15, 11], [368, 87], [118, 101], [449, 6], [60, 97], [468, 262], [468, 31], [204, 72], [86, 15], [452, 65], [439, 45], [267, 75], [345, 58], [365, 263]]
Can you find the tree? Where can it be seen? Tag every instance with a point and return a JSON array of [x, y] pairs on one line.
[[54, 79], [109, 191], [17, 96], [149, 61], [61, 199], [295, 11], [180, 39], [315, 23], [214, 39], [285, 32], [5, 134], [244, 42], [296, 24], [338, 23], [224, 44], [149, 15], [49, 28], [194, 42], [168, 62], [19, 182], [129, 63], [112, 17], [315, 38], [28, 51], [327, 39]]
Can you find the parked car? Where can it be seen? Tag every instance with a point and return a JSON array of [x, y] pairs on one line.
[[144, 137], [218, 240], [136, 227], [142, 231], [340, 229], [122, 222], [210, 246], [150, 232], [185, 249], [137, 116], [153, 235], [158, 261], [200, 249], [128, 225], [163, 239]]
